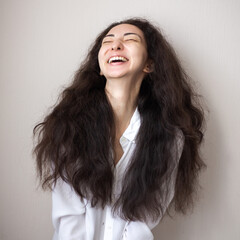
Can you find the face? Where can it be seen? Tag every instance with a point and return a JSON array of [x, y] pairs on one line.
[[123, 53]]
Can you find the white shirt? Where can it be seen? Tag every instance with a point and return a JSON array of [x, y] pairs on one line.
[[74, 219]]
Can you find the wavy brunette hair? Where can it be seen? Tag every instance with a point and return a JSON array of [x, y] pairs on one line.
[[74, 141]]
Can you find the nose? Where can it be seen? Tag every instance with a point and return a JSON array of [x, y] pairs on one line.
[[117, 45]]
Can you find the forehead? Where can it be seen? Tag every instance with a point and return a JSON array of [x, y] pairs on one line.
[[125, 28]]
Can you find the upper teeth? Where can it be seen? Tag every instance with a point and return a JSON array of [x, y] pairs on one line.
[[117, 58]]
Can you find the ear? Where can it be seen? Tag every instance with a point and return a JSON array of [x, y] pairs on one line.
[[149, 66], [101, 74]]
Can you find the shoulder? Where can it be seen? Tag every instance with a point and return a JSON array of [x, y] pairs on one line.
[[178, 143]]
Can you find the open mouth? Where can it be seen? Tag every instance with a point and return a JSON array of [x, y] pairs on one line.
[[117, 59]]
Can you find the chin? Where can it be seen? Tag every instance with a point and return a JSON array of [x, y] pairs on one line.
[[115, 75]]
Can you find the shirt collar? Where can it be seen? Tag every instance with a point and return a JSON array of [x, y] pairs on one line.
[[132, 130]]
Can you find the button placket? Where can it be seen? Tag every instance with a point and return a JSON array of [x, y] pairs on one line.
[[124, 234], [108, 230]]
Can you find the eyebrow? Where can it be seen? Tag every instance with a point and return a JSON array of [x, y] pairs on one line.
[[125, 34]]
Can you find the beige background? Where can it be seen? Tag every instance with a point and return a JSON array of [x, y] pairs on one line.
[[41, 45]]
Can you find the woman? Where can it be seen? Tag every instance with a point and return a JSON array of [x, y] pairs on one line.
[[122, 144]]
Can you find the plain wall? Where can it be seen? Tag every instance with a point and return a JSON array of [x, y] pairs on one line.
[[43, 42]]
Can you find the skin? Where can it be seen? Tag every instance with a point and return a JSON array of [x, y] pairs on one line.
[[123, 78]]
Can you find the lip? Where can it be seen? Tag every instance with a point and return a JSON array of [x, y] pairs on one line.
[[115, 55]]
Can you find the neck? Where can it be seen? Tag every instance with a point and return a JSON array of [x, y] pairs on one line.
[[123, 98], [122, 95]]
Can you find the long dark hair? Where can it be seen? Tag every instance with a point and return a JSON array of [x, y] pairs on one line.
[[74, 141]]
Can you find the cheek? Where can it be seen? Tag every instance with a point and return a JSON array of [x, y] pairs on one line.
[[100, 58], [142, 57], [140, 53], [102, 53], [145, 55]]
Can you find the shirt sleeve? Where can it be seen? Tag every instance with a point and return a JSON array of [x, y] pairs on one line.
[[68, 213], [137, 231], [176, 154], [141, 230]]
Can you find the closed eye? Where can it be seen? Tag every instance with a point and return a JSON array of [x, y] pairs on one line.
[[106, 42], [131, 39]]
